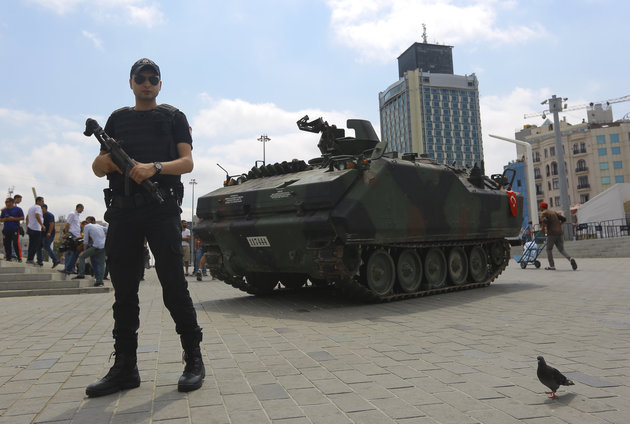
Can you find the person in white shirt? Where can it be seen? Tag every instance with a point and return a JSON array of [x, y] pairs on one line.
[[186, 245], [93, 247], [35, 225], [73, 225]]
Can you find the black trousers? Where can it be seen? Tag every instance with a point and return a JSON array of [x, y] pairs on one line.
[[124, 246], [10, 243], [35, 245]]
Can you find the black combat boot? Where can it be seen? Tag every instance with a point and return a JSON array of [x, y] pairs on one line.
[[123, 375], [194, 371]]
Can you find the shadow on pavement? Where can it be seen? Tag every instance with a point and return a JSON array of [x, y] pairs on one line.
[[327, 305]]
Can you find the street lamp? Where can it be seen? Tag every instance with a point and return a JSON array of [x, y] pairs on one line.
[[193, 183], [263, 138], [555, 107]]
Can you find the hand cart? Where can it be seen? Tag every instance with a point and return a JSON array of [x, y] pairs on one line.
[[531, 250]]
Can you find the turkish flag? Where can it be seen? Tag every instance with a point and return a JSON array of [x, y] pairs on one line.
[[513, 203]]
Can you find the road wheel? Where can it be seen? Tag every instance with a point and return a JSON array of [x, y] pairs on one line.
[[478, 264], [409, 271], [380, 272], [435, 268], [457, 266]]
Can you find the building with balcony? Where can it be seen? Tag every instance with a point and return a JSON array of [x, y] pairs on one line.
[[596, 153]]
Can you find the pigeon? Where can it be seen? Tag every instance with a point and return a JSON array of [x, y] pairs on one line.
[[551, 377]]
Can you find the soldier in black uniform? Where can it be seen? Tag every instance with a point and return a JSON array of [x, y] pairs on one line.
[[158, 138]]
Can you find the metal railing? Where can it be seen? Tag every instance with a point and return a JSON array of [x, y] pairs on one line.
[[603, 229], [595, 230]]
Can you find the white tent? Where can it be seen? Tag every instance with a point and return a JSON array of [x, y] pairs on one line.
[[607, 205]]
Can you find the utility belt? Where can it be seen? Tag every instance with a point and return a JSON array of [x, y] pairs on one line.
[[142, 198]]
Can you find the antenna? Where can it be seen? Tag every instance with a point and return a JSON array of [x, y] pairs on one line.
[[424, 33]]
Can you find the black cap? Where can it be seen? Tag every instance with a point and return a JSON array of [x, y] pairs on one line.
[[142, 64]]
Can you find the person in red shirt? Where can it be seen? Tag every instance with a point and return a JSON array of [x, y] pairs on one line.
[[551, 223]]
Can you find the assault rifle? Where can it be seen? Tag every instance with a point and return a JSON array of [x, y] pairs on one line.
[[119, 157]]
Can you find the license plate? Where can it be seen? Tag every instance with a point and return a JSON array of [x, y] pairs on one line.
[[258, 241]]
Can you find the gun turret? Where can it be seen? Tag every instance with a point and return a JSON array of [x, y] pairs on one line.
[[333, 140]]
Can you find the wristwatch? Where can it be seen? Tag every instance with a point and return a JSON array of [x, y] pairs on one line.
[[158, 167]]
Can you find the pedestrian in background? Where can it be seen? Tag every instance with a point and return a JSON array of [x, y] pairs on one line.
[[48, 235], [18, 251], [93, 247], [186, 245], [11, 216], [73, 226], [527, 233], [551, 224], [35, 226]]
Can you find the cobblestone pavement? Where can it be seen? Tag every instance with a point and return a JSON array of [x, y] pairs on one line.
[[463, 357]]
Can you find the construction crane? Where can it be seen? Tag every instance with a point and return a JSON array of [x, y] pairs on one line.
[[589, 106]]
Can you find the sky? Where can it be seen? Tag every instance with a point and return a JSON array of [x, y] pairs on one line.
[[239, 69]]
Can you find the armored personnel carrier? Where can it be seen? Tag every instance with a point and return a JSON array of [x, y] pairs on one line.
[[374, 224]]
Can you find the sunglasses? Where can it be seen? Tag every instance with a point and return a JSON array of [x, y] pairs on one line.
[[140, 79]]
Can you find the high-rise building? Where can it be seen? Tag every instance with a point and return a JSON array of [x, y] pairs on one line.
[[430, 110]]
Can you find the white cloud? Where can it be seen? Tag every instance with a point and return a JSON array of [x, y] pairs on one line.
[[98, 43], [149, 16], [503, 116], [50, 153], [381, 29], [133, 12], [60, 7]]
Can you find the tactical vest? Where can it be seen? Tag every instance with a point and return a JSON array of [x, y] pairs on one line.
[[148, 136]]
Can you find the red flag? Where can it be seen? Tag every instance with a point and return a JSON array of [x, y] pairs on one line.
[[513, 203]]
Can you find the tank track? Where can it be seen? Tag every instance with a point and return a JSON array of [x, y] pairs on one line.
[[353, 289]]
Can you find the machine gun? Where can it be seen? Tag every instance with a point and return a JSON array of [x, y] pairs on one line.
[[333, 140], [119, 157], [330, 133]]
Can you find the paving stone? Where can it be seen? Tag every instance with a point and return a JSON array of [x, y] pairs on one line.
[[331, 386], [350, 402], [17, 419], [281, 409], [241, 402], [370, 417], [248, 417], [209, 414], [590, 380], [326, 414], [493, 416], [310, 396], [321, 356], [447, 414], [270, 391], [370, 391], [170, 409], [460, 401], [517, 409], [396, 408], [58, 411]]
